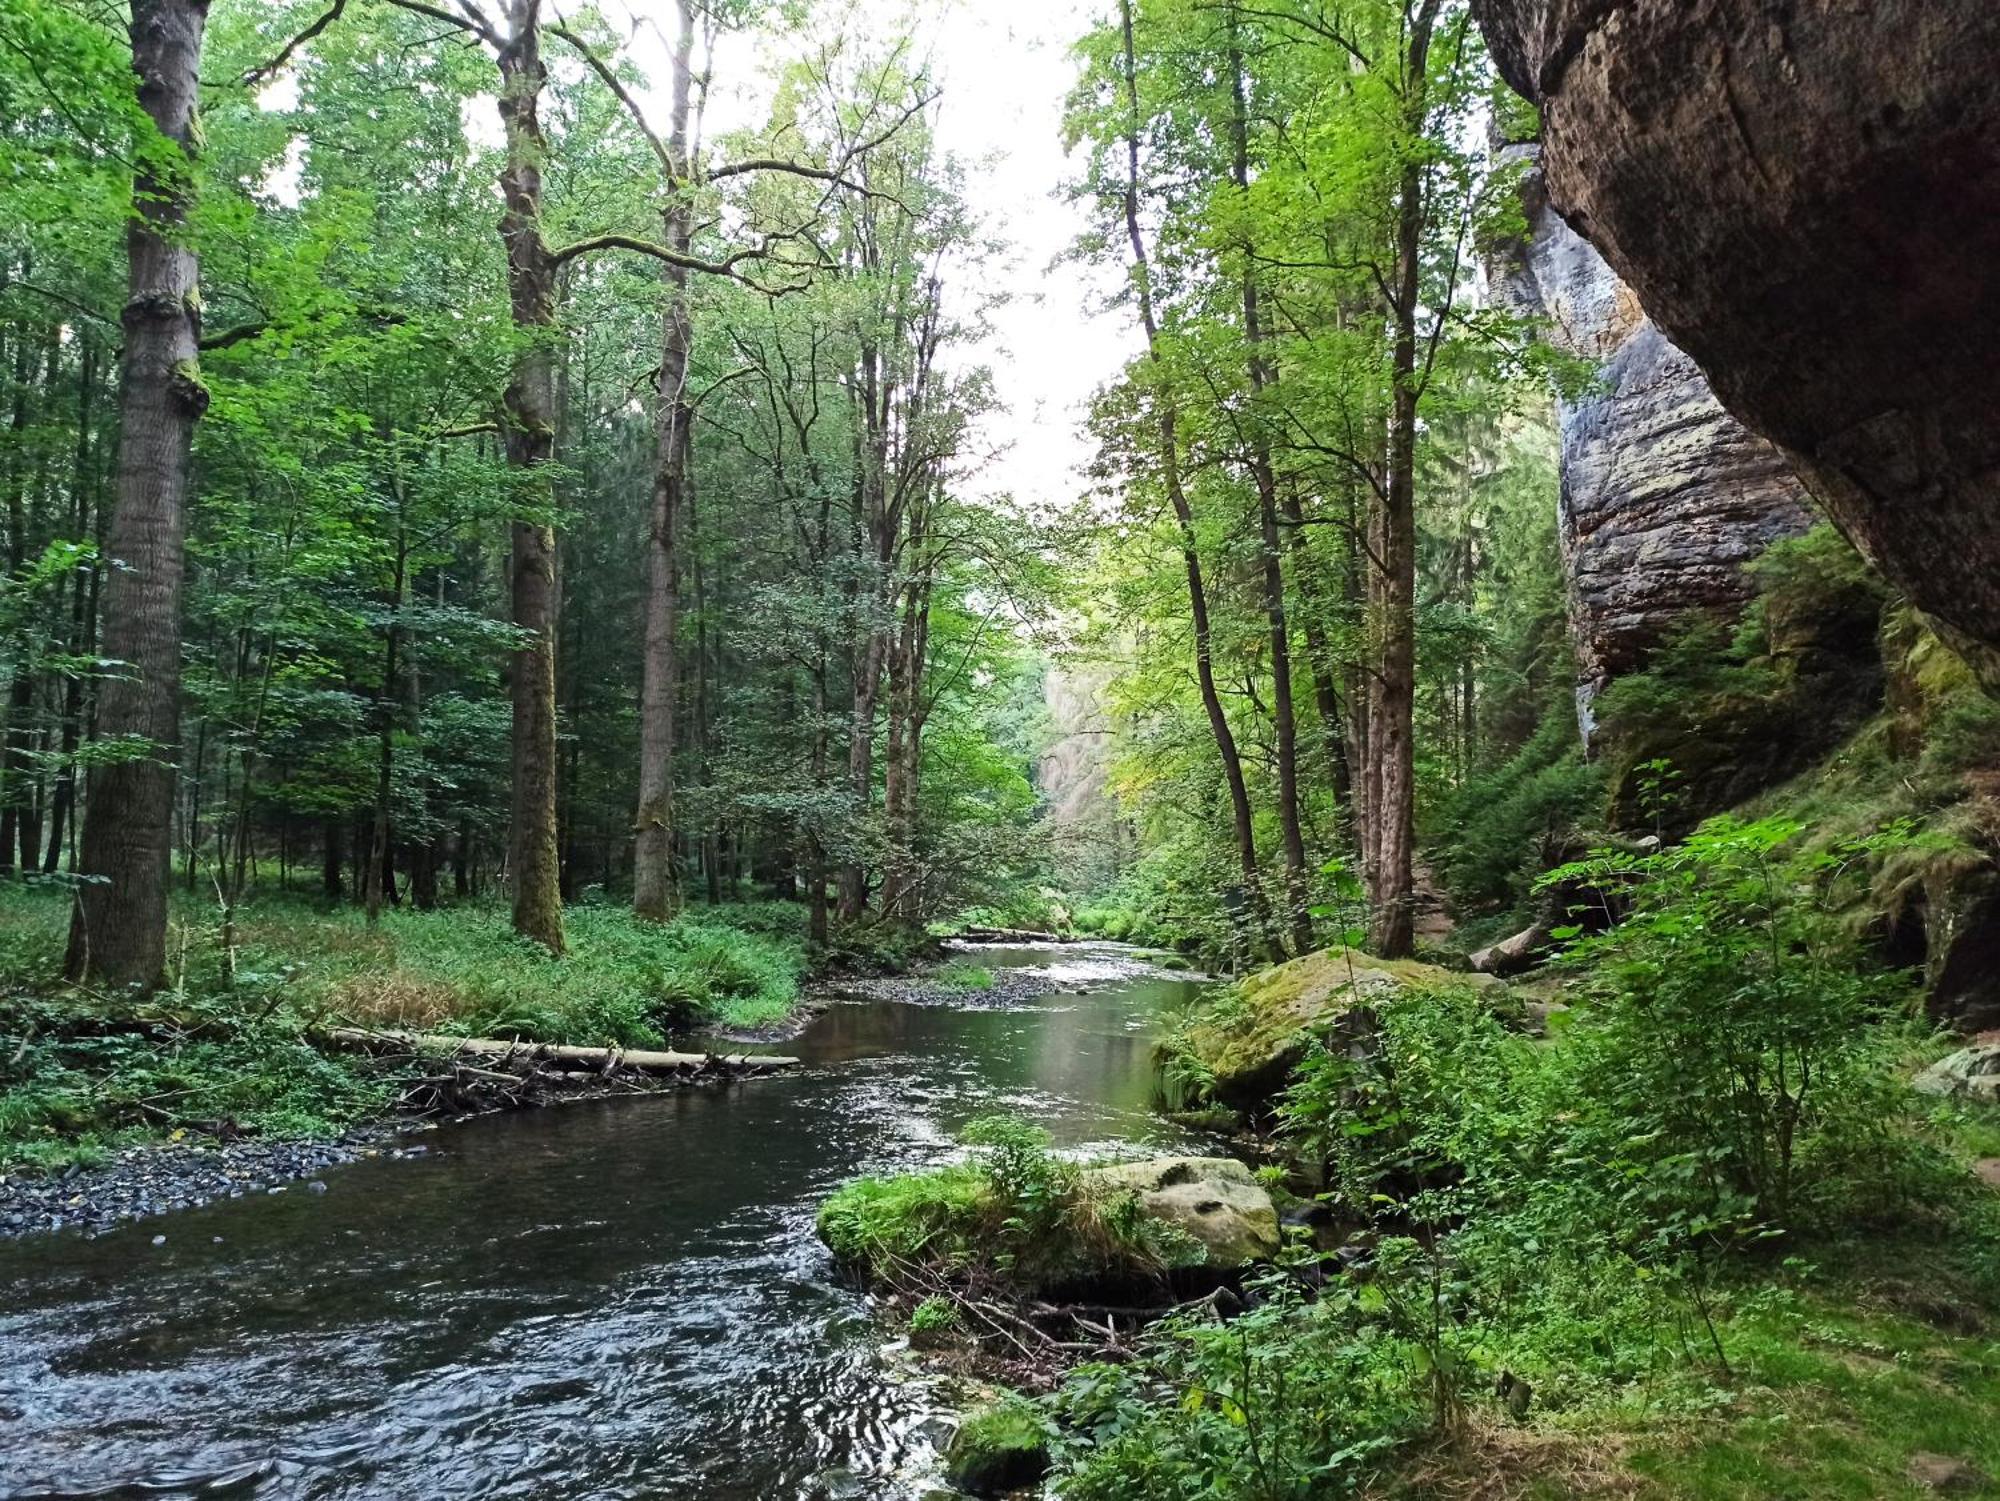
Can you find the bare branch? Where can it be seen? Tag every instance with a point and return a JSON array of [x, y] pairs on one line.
[[263, 71], [623, 95], [474, 23]]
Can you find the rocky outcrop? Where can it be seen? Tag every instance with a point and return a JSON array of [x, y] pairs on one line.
[[1214, 1201], [1244, 1046], [1665, 496], [1973, 1071], [1805, 195]]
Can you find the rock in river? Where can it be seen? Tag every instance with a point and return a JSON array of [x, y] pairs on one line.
[[1213, 1199]]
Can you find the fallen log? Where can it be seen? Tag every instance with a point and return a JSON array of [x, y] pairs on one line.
[[978, 934], [555, 1055]]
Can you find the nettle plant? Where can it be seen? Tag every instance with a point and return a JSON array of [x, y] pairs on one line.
[[1734, 1038]]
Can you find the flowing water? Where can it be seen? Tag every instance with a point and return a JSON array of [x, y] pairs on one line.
[[614, 1299]]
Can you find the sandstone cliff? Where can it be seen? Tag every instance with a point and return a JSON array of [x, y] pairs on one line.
[[1665, 496], [1805, 195]]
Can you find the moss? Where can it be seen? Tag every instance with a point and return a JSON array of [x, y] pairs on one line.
[[1240, 1049], [871, 1223], [999, 1449]]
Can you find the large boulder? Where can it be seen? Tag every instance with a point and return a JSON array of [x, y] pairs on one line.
[[1245, 1045], [1805, 196], [1213, 1200], [1664, 495]]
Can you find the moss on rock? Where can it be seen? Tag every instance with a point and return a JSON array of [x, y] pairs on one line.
[[1241, 1048], [999, 1449]]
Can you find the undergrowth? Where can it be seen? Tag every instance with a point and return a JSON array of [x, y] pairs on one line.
[[224, 1047], [1702, 1242]]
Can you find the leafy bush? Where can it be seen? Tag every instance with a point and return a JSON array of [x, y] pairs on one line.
[[1298, 1398], [1737, 1038]]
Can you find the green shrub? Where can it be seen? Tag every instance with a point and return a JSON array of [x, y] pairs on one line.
[[1738, 1025], [1296, 1399], [934, 1315]]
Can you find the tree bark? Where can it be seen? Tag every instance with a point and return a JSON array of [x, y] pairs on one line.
[[1392, 533], [1298, 921], [1170, 478], [118, 931], [656, 893], [533, 861]]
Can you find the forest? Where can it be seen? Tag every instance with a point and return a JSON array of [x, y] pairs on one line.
[[1217, 748]]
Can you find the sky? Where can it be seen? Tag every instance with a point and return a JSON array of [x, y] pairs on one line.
[[1003, 68]]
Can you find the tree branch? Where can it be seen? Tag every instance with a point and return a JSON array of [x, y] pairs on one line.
[[263, 71], [624, 96]]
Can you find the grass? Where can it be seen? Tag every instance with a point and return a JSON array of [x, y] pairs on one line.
[[1827, 1397], [963, 974], [81, 1073], [1015, 1216]]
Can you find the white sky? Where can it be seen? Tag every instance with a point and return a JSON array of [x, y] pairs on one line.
[[1003, 68]]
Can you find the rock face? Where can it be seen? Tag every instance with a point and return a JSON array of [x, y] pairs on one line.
[[1665, 496], [1973, 1071], [1213, 1199], [1805, 195]]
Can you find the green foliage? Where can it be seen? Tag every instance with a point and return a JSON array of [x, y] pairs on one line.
[[224, 1048], [74, 1080], [1736, 1043], [1015, 1211], [1510, 823], [1594, 1213], [877, 1222], [934, 1315], [1297, 1398], [963, 974]]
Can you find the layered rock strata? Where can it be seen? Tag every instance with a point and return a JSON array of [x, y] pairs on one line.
[[1805, 195], [1665, 496]]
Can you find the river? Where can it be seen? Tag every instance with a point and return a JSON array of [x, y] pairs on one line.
[[618, 1299]]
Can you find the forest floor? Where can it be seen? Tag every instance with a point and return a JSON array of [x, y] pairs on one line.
[[112, 1107]]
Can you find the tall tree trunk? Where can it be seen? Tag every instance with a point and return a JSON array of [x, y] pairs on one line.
[[900, 753], [21, 691], [63, 799], [1320, 660], [1393, 545], [375, 877], [533, 860], [655, 881], [1298, 920], [1170, 478], [118, 932]]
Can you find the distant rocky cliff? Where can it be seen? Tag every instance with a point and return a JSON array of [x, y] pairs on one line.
[[1665, 496], [1805, 195]]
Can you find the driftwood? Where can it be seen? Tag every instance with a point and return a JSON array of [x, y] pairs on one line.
[[557, 1057], [1010, 935]]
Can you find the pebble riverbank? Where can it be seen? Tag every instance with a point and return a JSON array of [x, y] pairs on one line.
[[143, 1182]]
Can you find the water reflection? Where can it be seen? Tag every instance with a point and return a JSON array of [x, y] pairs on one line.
[[621, 1299]]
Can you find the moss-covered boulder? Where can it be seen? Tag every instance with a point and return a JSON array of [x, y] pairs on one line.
[[1244, 1045], [998, 1449], [1213, 1201]]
